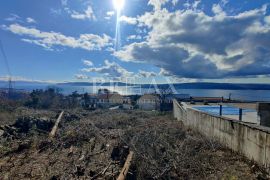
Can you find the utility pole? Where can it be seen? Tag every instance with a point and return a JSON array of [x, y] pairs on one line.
[[230, 95], [10, 87]]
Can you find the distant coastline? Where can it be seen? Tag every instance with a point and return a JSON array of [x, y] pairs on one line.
[[199, 85]]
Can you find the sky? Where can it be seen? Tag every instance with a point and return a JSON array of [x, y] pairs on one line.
[[147, 41]]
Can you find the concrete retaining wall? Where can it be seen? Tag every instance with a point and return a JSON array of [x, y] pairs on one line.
[[250, 140]]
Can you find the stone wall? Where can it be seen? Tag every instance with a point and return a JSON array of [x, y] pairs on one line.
[[252, 141]]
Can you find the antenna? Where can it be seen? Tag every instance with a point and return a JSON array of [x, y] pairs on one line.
[[8, 69]]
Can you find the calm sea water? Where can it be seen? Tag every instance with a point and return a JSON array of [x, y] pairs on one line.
[[251, 95]]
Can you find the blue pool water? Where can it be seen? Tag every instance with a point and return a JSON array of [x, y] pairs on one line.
[[226, 110]]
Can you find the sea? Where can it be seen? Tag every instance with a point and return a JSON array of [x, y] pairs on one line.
[[248, 95]]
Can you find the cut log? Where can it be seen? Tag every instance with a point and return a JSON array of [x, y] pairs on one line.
[[124, 171], [53, 131]]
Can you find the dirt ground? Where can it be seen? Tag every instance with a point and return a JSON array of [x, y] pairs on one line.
[[94, 145]]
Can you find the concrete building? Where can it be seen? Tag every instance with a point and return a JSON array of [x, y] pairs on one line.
[[116, 99], [127, 103], [107, 100], [127, 100], [89, 102], [93, 102], [149, 102], [104, 91]]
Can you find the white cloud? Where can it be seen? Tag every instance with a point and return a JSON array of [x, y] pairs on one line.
[[134, 37], [183, 80], [157, 4], [87, 62], [54, 11], [64, 2], [13, 18], [39, 43], [128, 20], [174, 2], [18, 19], [30, 20], [50, 39], [196, 4], [110, 49], [147, 74], [110, 70], [216, 8], [267, 19], [109, 14], [81, 76], [87, 14], [224, 2], [187, 43]]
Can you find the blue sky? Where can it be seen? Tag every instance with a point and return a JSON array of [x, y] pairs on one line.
[[164, 40]]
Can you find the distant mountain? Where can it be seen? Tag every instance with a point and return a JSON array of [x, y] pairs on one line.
[[203, 85], [226, 86], [95, 84], [25, 83]]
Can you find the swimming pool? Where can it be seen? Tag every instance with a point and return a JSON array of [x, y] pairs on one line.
[[226, 110]]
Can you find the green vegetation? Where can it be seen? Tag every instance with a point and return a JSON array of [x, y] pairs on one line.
[[52, 99]]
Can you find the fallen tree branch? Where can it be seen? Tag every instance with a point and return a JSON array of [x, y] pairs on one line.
[[163, 172], [53, 132], [124, 171], [102, 172]]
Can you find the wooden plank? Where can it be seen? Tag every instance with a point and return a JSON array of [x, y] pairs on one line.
[[53, 131], [124, 171]]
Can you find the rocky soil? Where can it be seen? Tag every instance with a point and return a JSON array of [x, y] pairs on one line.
[[94, 145]]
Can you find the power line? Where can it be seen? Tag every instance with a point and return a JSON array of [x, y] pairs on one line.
[[8, 69], [5, 58]]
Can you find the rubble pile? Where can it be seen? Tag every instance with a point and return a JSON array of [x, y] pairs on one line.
[[95, 145], [25, 124]]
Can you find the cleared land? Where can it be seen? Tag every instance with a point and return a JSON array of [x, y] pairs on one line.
[[94, 145]]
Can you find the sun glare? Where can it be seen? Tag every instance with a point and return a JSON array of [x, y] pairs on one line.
[[118, 4]]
